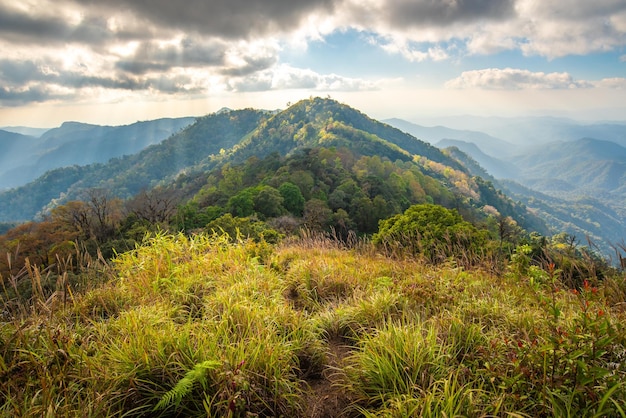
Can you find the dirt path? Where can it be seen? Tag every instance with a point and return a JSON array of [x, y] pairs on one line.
[[324, 398]]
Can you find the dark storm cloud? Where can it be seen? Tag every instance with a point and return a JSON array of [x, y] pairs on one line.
[[18, 97], [252, 65], [18, 72], [413, 13], [151, 56], [226, 18], [163, 83], [32, 81], [16, 24], [48, 27]]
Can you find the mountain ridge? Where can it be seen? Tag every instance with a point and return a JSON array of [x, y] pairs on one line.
[[233, 137], [77, 143]]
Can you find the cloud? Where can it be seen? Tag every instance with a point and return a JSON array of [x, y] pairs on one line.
[[46, 80], [615, 83], [154, 56], [415, 53], [419, 13], [550, 28], [513, 79], [232, 19], [56, 24], [32, 94], [53, 49], [284, 77], [516, 79]]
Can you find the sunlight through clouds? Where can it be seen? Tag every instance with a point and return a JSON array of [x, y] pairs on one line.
[[73, 51]]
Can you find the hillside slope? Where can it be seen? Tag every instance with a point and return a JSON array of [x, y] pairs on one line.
[[233, 137], [585, 165], [496, 167], [75, 143], [16, 152], [128, 175], [434, 134]]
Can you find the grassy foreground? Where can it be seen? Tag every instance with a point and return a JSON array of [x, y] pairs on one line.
[[201, 327]]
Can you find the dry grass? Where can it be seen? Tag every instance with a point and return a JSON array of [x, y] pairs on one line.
[[199, 326]]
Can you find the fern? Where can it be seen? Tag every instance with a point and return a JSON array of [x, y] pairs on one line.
[[185, 385]]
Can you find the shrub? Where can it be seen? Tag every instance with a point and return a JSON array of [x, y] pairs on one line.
[[432, 231]]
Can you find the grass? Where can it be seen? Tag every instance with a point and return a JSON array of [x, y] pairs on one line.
[[201, 327]]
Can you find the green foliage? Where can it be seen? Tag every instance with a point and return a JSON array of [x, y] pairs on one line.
[[432, 231], [237, 229], [190, 216], [185, 385], [201, 326], [269, 202], [293, 200], [242, 204]]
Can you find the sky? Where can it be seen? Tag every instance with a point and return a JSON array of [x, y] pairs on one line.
[[115, 62]]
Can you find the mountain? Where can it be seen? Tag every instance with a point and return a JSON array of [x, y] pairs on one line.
[[25, 130], [586, 218], [585, 166], [383, 161], [75, 143], [555, 167], [320, 122], [528, 132], [489, 144], [127, 175], [494, 166], [587, 213], [17, 150]]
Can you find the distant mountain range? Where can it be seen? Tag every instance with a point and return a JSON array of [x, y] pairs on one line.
[[434, 134], [27, 157], [532, 131], [24, 130], [237, 137], [575, 184]]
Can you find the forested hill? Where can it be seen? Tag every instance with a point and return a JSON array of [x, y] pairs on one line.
[[75, 143], [327, 123], [128, 175], [231, 138]]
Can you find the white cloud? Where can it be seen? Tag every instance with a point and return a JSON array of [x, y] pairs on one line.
[[615, 83], [517, 79], [513, 79], [550, 28], [285, 77], [415, 53]]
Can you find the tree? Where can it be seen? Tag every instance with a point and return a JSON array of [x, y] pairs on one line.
[[269, 202], [432, 231], [106, 214], [74, 215], [242, 204], [317, 215], [156, 206], [293, 200]]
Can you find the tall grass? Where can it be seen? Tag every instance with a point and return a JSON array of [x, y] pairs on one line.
[[202, 326]]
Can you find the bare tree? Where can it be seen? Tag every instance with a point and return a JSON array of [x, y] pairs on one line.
[[155, 206]]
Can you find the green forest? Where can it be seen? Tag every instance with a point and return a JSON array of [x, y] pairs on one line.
[[311, 262]]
